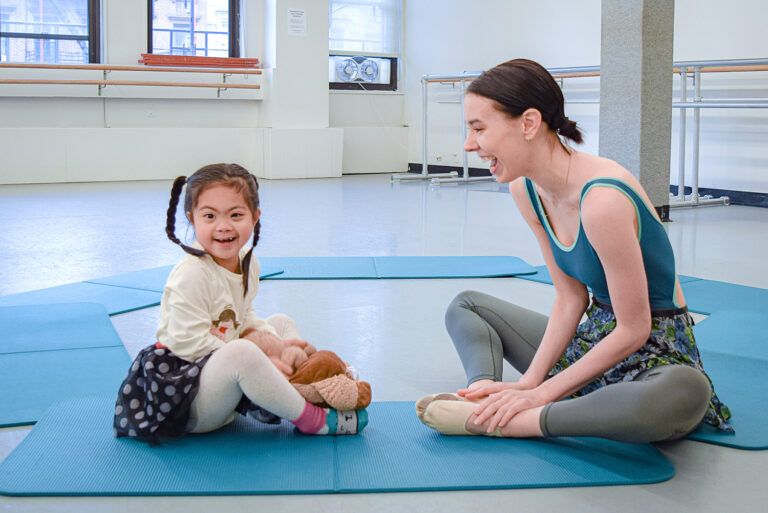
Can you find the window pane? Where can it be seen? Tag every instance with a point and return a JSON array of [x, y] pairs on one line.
[[364, 26], [61, 27], [195, 27]]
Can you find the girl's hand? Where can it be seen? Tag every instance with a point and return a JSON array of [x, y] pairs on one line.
[[293, 356], [303, 344], [283, 367], [501, 407]]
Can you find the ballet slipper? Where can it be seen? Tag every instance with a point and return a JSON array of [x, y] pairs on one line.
[[421, 404], [450, 417]]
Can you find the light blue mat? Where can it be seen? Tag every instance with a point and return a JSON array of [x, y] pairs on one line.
[[49, 353], [542, 276], [321, 268], [116, 300], [335, 268], [154, 279], [741, 383], [71, 451], [451, 267], [709, 297], [736, 332]]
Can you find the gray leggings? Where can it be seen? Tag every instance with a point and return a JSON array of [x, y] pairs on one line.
[[662, 403]]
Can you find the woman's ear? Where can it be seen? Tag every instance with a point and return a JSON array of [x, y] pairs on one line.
[[530, 123]]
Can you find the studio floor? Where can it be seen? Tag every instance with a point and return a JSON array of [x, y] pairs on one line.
[[391, 330]]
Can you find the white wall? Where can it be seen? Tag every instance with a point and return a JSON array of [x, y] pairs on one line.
[[91, 138], [450, 36]]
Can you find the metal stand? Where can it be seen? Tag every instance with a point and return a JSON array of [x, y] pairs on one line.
[[424, 166]]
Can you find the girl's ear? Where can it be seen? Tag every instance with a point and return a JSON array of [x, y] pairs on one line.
[[189, 216], [530, 123], [256, 216]]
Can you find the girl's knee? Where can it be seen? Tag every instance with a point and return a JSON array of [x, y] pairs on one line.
[[284, 325], [240, 350]]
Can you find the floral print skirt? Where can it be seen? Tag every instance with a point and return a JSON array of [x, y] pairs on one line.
[[671, 342]]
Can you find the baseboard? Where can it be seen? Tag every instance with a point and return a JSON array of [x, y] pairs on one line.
[[749, 199], [436, 168]]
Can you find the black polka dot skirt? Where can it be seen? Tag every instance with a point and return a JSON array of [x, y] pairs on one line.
[[154, 399]]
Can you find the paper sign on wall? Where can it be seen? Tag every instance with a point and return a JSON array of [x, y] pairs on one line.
[[297, 22]]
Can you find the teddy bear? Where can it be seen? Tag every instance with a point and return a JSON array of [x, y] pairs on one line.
[[326, 380]]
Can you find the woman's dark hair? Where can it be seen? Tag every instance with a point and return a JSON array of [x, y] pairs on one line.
[[522, 84], [231, 175]]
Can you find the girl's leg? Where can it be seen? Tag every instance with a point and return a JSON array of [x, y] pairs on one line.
[[240, 367], [663, 403], [486, 329]]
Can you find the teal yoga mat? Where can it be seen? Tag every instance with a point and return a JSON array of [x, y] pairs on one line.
[[542, 276], [709, 297], [49, 353], [116, 300], [71, 451], [328, 268], [741, 384], [154, 279]]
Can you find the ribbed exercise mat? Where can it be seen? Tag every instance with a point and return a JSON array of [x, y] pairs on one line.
[[49, 353], [116, 300], [450, 266], [154, 279], [709, 297], [393, 267], [71, 451], [741, 384], [542, 275]]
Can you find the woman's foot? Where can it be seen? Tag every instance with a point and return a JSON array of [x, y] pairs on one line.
[[421, 404], [452, 417]]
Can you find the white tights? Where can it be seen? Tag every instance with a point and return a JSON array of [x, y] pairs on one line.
[[240, 367]]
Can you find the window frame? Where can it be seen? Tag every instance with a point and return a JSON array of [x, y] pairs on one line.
[[234, 29], [93, 37], [394, 63]]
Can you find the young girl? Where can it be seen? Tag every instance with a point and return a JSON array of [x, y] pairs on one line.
[[214, 357], [632, 368]]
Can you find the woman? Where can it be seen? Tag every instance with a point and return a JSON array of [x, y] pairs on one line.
[[632, 369]]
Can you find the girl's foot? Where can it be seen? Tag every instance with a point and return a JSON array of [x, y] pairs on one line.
[[315, 420], [343, 422]]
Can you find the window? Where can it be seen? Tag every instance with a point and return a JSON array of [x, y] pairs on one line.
[[203, 28], [50, 31], [364, 42]]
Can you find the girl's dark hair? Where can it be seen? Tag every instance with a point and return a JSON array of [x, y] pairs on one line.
[[231, 175], [522, 84]]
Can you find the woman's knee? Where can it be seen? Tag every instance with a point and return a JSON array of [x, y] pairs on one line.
[[465, 300], [683, 396]]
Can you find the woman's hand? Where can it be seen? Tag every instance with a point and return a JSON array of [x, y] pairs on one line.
[[485, 387], [500, 407]]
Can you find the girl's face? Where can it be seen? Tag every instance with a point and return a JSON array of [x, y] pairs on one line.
[[223, 224], [495, 136]]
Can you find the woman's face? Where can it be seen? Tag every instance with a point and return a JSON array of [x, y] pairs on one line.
[[495, 136]]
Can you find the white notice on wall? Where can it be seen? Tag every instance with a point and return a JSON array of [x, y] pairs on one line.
[[297, 22]]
